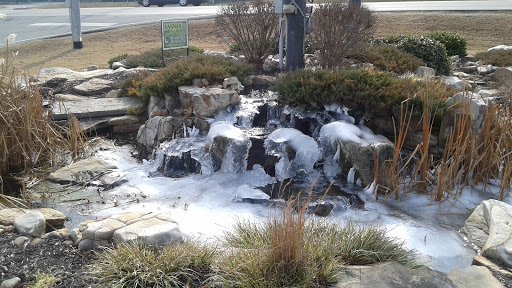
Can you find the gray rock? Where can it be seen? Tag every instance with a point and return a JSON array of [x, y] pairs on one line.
[[20, 240], [147, 227], [68, 97], [502, 76], [469, 69], [425, 71], [232, 84], [484, 70], [155, 104], [31, 223], [490, 228], [498, 272], [474, 277], [271, 63], [94, 108], [455, 107], [500, 48], [158, 230], [454, 82], [117, 65], [158, 128], [131, 128], [95, 86], [412, 140], [81, 171], [52, 235], [92, 68], [36, 242], [260, 80], [11, 283], [354, 151], [391, 275], [207, 101], [116, 93], [124, 120], [226, 147]]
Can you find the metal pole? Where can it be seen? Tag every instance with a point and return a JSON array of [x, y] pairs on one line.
[[355, 2], [295, 35], [281, 42], [76, 27]]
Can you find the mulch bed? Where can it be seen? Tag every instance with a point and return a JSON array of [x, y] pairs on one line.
[[52, 256]]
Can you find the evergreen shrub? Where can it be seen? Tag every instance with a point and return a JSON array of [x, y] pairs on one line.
[[391, 59], [431, 51], [453, 42]]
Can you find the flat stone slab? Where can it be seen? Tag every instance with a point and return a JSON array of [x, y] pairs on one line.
[[391, 275], [94, 86], [474, 277], [81, 171], [93, 108]]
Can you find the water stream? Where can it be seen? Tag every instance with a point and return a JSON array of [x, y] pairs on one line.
[[207, 182]]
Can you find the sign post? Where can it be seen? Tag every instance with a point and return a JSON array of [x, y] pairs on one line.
[[174, 36]]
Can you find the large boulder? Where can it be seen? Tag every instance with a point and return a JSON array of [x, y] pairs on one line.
[[348, 147], [499, 48], [92, 108], [490, 228], [207, 102], [456, 107], [391, 275], [474, 277], [31, 223], [503, 76], [228, 148], [159, 128], [152, 228]]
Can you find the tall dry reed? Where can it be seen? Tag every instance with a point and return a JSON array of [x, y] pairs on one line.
[[28, 138]]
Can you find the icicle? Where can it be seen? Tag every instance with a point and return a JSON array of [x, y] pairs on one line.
[[351, 175], [184, 131]]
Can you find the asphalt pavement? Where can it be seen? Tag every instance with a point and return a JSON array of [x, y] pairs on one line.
[[33, 24]]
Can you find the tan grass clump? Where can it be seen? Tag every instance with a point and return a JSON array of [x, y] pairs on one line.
[[28, 138]]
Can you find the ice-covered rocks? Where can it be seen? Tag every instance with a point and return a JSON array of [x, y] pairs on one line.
[[228, 146], [297, 152], [490, 228], [348, 146], [151, 228]]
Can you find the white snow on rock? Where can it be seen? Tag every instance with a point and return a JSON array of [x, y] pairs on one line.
[[348, 132], [224, 130], [284, 141]]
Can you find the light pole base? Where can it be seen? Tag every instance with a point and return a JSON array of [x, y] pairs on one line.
[[78, 45]]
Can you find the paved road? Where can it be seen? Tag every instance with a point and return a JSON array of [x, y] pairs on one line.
[[32, 24]]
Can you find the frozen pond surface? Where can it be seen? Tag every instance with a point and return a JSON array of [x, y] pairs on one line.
[[205, 206]]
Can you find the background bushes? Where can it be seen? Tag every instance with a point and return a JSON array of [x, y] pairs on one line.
[[453, 42], [375, 91], [497, 58], [341, 30], [389, 58], [252, 26], [432, 52]]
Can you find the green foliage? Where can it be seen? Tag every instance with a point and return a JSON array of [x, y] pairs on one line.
[[117, 59], [376, 91], [153, 58], [138, 265], [45, 281], [432, 52], [325, 247], [389, 58], [183, 71], [453, 42], [497, 58]]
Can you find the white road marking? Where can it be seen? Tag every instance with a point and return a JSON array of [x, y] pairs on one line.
[[67, 24]]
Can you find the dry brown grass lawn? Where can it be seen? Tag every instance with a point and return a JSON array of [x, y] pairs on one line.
[[482, 30]]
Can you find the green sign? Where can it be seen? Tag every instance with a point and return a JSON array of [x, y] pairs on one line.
[[174, 34]]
